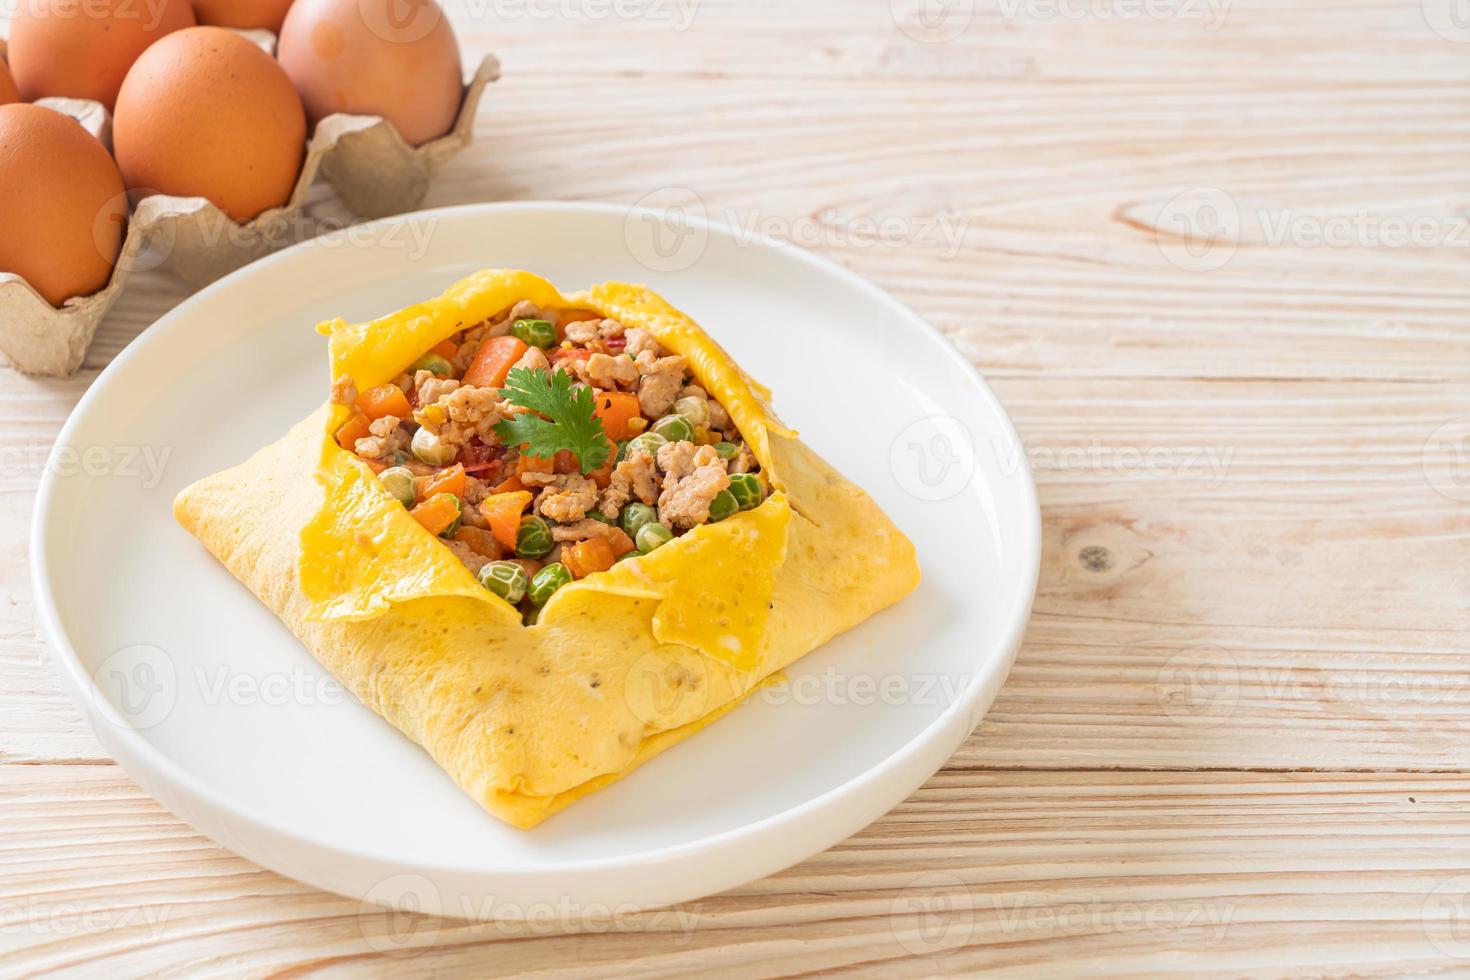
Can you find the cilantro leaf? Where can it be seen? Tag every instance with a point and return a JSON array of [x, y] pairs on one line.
[[570, 419]]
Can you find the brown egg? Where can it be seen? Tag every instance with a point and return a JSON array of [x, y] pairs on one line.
[[62, 203], [206, 113], [265, 14], [8, 92], [392, 58], [82, 49]]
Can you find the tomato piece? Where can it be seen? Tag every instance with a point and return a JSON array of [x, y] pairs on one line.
[[493, 361], [477, 457], [565, 355]]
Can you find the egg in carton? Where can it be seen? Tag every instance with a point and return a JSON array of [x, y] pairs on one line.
[[370, 166]]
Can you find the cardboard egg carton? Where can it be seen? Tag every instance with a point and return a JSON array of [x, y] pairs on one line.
[[366, 161]]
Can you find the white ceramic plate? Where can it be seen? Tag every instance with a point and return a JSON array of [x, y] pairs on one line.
[[217, 711]]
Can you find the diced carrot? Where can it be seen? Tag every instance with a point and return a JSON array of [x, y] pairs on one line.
[[616, 409], [384, 400], [445, 349], [621, 543], [480, 541], [565, 461], [574, 316], [508, 485], [493, 361], [586, 557], [437, 513], [376, 465], [448, 480], [602, 476], [527, 463], [355, 428], [502, 511]]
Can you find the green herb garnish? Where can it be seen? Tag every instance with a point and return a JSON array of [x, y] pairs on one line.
[[570, 421]]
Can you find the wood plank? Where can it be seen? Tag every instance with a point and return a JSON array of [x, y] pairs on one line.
[[1096, 873], [1030, 226], [1250, 43], [1062, 266]]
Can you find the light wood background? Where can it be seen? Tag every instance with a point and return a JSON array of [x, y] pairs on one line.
[[1237, 739]]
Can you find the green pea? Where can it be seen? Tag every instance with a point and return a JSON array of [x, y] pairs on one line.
[[430, 449], [533, 538], [545, 582], [648, 442], [675, 428], [537, 333], [506, 579], [531, 616], [399, 481], [693, 408], [651, 536], [622, 450], [637, 515], [722, 506], [746, 489], [727, 450], [625, 556], [432, 363], [599, 517]]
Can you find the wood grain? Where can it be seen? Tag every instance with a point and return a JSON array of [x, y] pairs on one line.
[[1063, 871], [1235, 739]]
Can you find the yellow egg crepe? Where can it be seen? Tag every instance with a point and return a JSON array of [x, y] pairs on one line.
[[621, 664]]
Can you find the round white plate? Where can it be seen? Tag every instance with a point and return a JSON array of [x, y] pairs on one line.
[[221, 714]]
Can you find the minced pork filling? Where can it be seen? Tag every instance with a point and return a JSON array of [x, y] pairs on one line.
[[543, 446]]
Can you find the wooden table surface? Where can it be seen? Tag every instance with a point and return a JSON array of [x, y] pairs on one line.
[[1215, 259]]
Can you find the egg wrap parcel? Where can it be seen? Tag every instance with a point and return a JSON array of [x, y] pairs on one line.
[[620, 665]]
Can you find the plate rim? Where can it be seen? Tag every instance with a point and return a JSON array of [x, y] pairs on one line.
[[132, 751]]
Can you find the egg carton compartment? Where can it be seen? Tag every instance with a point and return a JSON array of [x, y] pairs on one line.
[[368, 164]]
